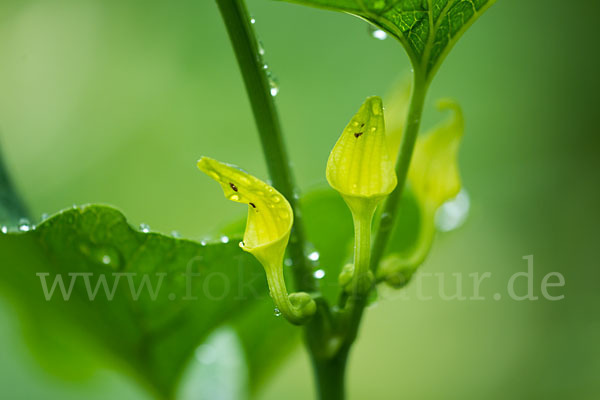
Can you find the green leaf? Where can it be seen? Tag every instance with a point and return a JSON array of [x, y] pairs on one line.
[[426, 28], [158, 315]]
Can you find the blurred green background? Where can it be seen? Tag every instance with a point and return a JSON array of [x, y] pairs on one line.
[[114, 101]]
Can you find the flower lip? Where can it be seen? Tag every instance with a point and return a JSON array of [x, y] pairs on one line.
[[270, 216]]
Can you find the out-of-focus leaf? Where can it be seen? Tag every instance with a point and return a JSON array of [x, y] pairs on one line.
[[158, 314], [12, 208], [329, 226], [267, 340], [217, 371], [426, 28]]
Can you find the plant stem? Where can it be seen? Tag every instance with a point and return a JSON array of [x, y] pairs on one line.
[[361, 283], [237, 21], [409, 137], [329, 375], [12, 207]]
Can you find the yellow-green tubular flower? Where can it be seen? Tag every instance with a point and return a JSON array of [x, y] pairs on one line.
[[434, 178], [434, 171], [268, 228], [359, 166], [396, 110], [361, 170]]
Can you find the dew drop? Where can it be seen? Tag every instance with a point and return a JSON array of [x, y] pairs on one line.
[[4, 229], [203, 243], [252, 20], [386, 218], [276, 312], [241, 244], [319, 274], [265, 66], [453, 213], [44, 217], [274, 89], [176, 234], [224, 239], [144, 228], [103, 255], [376, 32], [24, 225], [314, 256], [261, 49]]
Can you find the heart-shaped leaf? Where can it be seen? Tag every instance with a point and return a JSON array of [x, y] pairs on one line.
[[146, 299]]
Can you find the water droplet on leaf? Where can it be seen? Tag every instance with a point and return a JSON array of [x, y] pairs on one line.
[[276, 312], [24, 225], [224, 239], [314, 256], [144, 228], [376, 32]]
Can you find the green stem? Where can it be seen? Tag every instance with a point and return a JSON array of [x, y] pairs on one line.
[[361, 281], [409, 137], [12, 207], [237, 21], [329, 375]]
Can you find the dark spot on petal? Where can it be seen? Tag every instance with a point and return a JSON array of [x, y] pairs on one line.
[[361, 125], [357, 134], [252, 204], [235, 189]]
